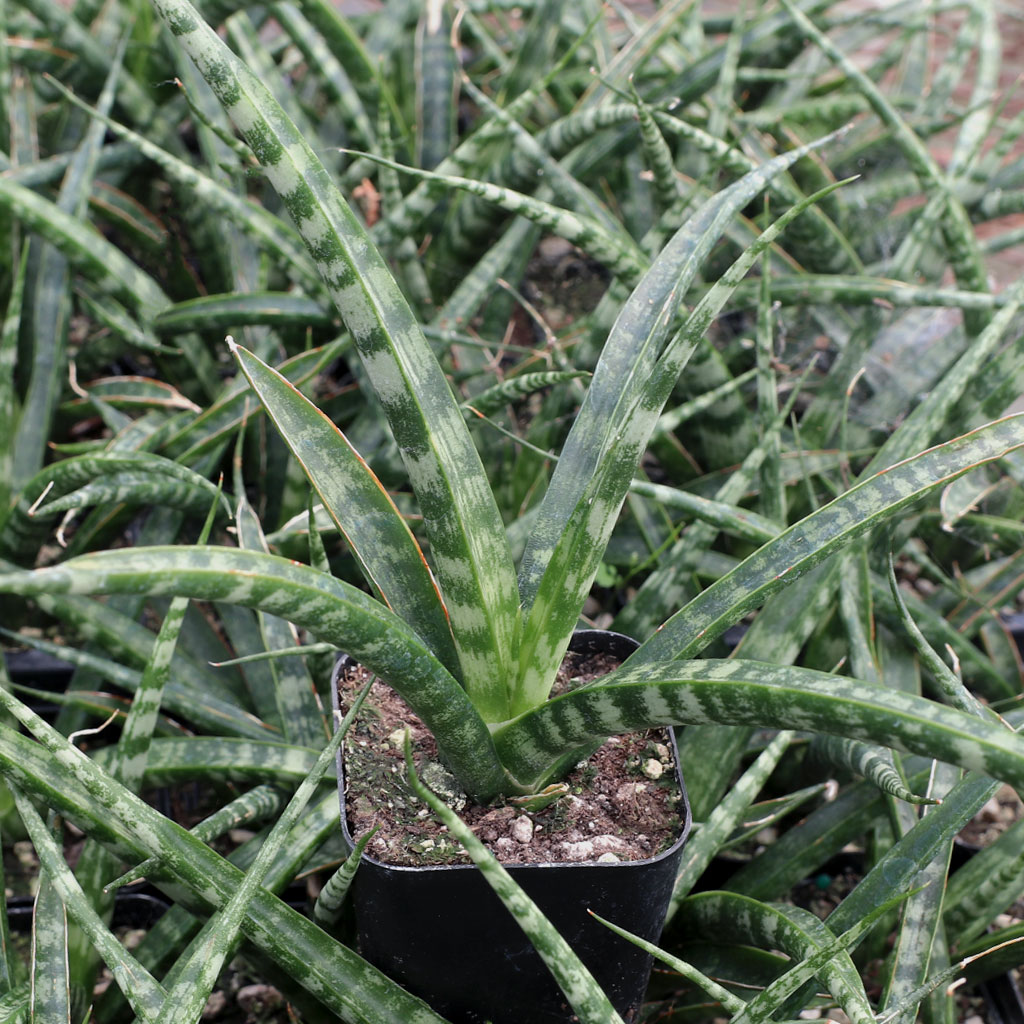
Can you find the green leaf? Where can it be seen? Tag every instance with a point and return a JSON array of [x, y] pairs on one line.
[[813, 539], [331, 609], [633, 380], [361, 508], [143, 991], [467, 537], [733, 918], [739, 692], [134, 475], [345, 983]]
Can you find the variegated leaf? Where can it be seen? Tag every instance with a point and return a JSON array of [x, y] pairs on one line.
[[467, 537], [333, 610], [813, 539], [739, 692], [361, 508]]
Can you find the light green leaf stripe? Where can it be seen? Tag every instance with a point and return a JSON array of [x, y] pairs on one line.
[[332, 895], [85, 249], [737, 692], [23, 526], [208, 711], [143, 991], [274, 235], [576, 982], [258, 804], [72, 785], [330, 608], [631, 384], [709, 838], [617, 253], [733, 918], [50, 1001], [224, 312], [197, 973], [361, 508], [814, 538], [467, 537], [870, 761]]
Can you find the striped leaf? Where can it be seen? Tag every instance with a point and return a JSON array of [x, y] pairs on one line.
[[8, 359], [196, 973], [980, 890], [209, 711], [85, 249], [270, 232], [634, 378], [739, 692], [51, 992], [252, 807], [219, 422], [332, 895], [144, 993], [714, 832], [870, 761], [49, 291], [733, 918], [335, 975], [361, 508], [329, 608], [831, 528], [296, 705], [24, 525], [223, 313], [764, 1005], [614, 251], [471, 557]]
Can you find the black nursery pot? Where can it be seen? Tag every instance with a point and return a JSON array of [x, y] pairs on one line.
[[442, 933]]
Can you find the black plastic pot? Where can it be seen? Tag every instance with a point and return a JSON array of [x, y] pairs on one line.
[[443, 934]]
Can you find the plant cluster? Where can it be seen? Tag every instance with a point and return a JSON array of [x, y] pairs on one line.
[[771, 444]]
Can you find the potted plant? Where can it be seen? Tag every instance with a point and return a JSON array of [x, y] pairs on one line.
[[470, 645]]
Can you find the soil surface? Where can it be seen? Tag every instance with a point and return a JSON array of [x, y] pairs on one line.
[[623, 803]]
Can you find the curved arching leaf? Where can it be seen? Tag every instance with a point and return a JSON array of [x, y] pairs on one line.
[[734, 918], [810, 541], [739, 692], [335, 611], [25, 524], [471, 556]]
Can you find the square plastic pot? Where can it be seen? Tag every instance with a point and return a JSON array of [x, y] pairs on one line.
[[442, 933]]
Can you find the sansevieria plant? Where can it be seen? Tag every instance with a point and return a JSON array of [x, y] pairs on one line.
[[472, 644]]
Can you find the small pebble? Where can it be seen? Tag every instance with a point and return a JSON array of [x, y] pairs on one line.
[[653, 768], [607, 858], [522, 829]]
